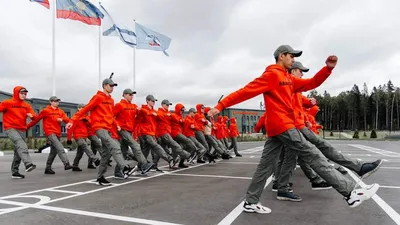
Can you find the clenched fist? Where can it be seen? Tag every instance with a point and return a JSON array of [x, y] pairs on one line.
[[331, 61]]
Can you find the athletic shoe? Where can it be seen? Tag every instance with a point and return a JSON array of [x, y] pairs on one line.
[[368, 169], [288, 196], [357, 196], [320, 186], [30, 167], [257, 208], [17, 176], [102, 181]]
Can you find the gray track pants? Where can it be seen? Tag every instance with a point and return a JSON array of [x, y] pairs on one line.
[[20, 149], [110, 147], [149, 143], [82, 148], [295, 141], [56, 148]]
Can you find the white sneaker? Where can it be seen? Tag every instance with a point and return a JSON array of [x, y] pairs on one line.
[[258, 208], [357, 196]]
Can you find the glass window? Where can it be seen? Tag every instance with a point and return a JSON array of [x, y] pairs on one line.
[[1, 127], [37, 129], [63, 129]]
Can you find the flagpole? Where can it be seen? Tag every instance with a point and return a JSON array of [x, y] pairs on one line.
[[100, 34], [54, 7], [134, 60]]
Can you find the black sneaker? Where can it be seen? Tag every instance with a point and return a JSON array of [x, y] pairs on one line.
[[369, 168], [288, 197], [30, 167], [67, 166], [200, 161], [238, 155], [129, 170], [49, 171], [176, 160], [97, 162], [90, 166], [76, 168], [17, 176], [146, 167], [102, 181], [321, 186]]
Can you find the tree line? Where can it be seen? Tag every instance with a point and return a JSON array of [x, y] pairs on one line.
[[355, 109]]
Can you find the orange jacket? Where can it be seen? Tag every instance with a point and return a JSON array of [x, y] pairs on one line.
[[225, 126], [188, 130], [261, 123], [233, 129], [79, 129], [14, 111], [147, 120], [163, 122], [199, 118], [220, 132], [277, 87], [177, 120], [311, 118], [125, 114], [300, 102], [50, 123], [101, 108]]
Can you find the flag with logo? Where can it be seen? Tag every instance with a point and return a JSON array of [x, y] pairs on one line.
[[80, 10], [151, 40]]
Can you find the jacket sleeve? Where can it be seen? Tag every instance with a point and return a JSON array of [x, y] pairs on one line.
[[306, 102], [41, 115], [91, 105], [3, 107], [256, 87], [65, 118], [300, 85]]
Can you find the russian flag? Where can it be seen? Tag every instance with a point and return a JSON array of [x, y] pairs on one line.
[[80, 10], [44, 3]]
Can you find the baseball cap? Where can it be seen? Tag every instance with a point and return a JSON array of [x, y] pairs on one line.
[[192, 110], [23, 90], [54, 98], [150, 98], [298, 65], [110, 82], [165, 101], [287, 49], [129, 91], [81, 105]]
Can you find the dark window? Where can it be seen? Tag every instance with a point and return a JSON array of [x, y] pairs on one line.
[[37, 129], [1, 127], [63, 129], [68, 114]]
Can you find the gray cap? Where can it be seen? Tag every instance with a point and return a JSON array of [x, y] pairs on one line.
[[23, 90], [298, 65], [150, 98], [128, 91], [110, 82], [165, 101], [192, 110], [81, 105], [54, 98], [287, 49]]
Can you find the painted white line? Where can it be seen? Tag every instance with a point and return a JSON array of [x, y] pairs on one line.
[[208, 176], [359, 159], [252, 156], [376, 150], [348, 154], [250, 163], [368, 154], [394, 187], [63, 191], [238, 210], [88, 213], [389, 210], [392, 168]]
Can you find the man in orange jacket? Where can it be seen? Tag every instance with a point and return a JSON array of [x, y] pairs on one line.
[[233, 134], [177, 122], [52, 117], [200, 121], [80, 133], [189, 128], [164, 130], [226, 131], [147, 120], [102, 119], [125, 113], [15, 111], [277, 87]]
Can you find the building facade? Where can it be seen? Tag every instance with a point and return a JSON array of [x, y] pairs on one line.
[[37, 105], [246, 119]]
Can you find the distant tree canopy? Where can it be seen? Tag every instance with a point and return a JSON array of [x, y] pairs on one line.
[[360, 109]]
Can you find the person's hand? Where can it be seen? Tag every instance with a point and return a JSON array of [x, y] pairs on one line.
[[68, 126], [118, 128], [313, 101], [29, 115], [59, 119], [213, 112], [331, 61]]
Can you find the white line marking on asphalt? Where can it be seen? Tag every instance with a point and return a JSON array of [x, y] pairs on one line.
[[63, 191], [393, 168], [238, 210], [208, 176], [376, 150], [88, 213], [249, 163], [386, 207], [394, 187]]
